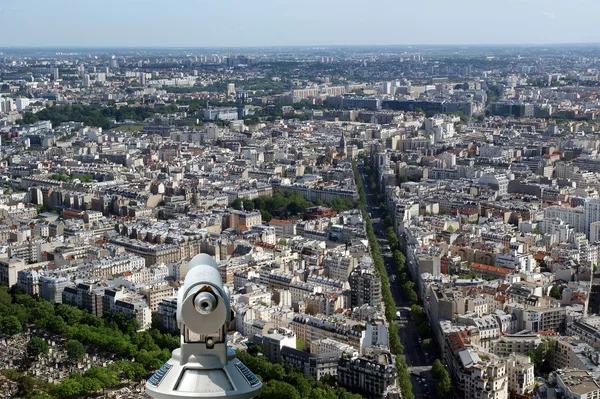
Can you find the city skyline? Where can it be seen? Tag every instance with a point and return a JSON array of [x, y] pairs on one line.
[[147, 23], [351, 215]]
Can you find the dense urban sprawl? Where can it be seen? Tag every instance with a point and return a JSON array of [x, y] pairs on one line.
[[398, 223]]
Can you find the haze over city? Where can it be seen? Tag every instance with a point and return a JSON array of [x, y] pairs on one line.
[[195, 23]]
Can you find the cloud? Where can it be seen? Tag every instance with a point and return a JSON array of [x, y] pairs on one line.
[[549, 15]]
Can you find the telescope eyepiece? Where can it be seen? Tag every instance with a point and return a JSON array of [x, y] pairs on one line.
[[205, 303]]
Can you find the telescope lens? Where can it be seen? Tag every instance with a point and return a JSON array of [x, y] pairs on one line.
[[205, 302]]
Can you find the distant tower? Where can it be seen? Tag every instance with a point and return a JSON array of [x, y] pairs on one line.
[[142, 78], [87, 81], [231, 89], [55, 73], [343, 147]]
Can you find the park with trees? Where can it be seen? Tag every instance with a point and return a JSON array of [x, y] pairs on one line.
[[287, 204]]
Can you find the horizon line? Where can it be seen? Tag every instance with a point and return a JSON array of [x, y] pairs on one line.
[[176, 47]]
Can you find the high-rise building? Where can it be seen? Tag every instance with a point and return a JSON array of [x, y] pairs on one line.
[[591, 211], [231, 89], [142, 78], [87, 81], [22, 103], [386, 88], [55, 73], [365, 287], [6, 105]]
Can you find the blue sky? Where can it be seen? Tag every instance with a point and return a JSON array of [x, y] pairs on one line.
[[214, 23]]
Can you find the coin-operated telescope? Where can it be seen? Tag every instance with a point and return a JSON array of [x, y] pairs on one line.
[[203, 367]]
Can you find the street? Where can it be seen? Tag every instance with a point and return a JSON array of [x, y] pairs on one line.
[[418, 361]]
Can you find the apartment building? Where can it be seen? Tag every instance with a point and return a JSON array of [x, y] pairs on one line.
[[372, 374], [155, 295], [519, 343]]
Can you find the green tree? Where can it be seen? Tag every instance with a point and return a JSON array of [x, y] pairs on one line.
[[279, 389], [5, 300], [300, 382], [56, 325], [38, 395], [237, 204], [37, 346], [411, 296], [70, 314], [26, 385], [275, 372], [300, 344], [542, 357], [248, 205], [67, 389], [439, 372], [445, 389], [266, 215], [396, 346], [426, 344], [416, 312], [10, 325], [28, 119], [106, 378], [555, 292], [437, 369], [423, 330], [75, 350], [136, 371], [392, 238], [388, 221]]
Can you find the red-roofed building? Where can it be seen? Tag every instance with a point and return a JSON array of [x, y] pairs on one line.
[[318, 212], [73, 214], [488, 270]]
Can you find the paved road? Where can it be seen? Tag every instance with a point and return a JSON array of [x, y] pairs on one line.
[[417, 359]]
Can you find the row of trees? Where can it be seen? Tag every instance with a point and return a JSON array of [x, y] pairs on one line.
[[445, 389], [422, 325], [281, 381], [388, 300], [439, 372]]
